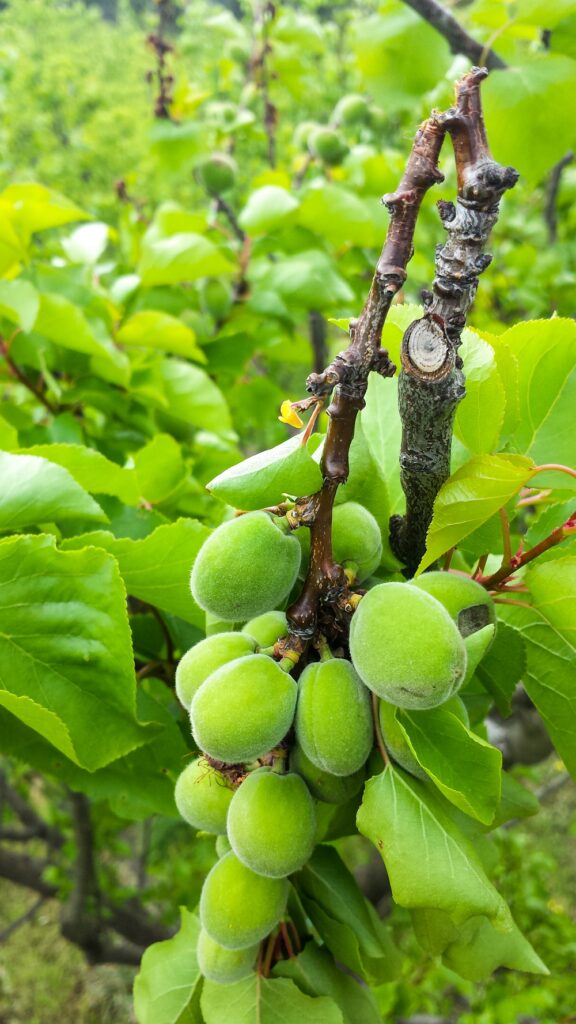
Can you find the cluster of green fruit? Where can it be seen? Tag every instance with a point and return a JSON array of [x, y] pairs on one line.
[[280, 757]]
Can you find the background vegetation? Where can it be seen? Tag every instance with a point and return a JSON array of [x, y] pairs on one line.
[[107, 111]]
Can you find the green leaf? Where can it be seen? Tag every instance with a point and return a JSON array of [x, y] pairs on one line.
[[193, 397], [381, 425], [479, 417], [159, 468], [12, 248], [503, 666], [476, 949], [167, 986], [92, 470], [477, 490], [65, 324], [266, 209], [340, 216], [65, 650], [87, 243], [157, 568], [430, 863], [37, 491], [258, 1000], [37, 208], [532, 92], [549, 632], [181, 257], [516, 802], [464, 767], [265, 479], [19, 303], [545, 351], [315, 973], [157, 330], [308, 279]]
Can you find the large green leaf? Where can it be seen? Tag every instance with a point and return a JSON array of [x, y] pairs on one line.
[[502, 667], [382, 428], [191, 396], [37, 491], [258, 1000], [154, 329], [266, 209], [266, 478], [545, 351], [479, 417], [464, 767], [181, 257], [64, 323], [168, 984], [430, 863], [549, 632], [36, 208], [157, 568], [477, 490], [92, 470], [19, 303], [530, 93], [65, 650], [337, 214], [315, 973], [159, 468], [309, 279]]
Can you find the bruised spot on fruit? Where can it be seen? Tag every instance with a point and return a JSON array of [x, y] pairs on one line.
[[471, 619], [465, 600]]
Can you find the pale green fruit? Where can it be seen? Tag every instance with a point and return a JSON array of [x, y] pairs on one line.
[[203, 796], [477, 644], [356, 538], [330, 789], [469, 604], [395, 740], [352, 109], [328, 145], [222, 846], [406, 648], [243, 709], [272, 823], [218, 173], [238, 908], [224, 965], [203, 659], [245, 568], [266, 629], [333, 717]]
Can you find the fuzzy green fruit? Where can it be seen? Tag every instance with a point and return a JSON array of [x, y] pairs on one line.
[[333, 717], [243, 709], [469, 604], [203, 796], [218, 173], [203, 659], [395, 740], [477, 644], [238, 908], [246, 567], [406, 648], [328, 145], [222, 846], [272, 823], [330, 789], [303, 133], [352, 109], [266, 629], [224, 965]]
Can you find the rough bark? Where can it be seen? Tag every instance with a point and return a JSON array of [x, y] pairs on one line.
[[432, 382]]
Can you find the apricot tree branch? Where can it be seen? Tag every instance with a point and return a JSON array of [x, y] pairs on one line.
[[508, 568], [431, 382], [347, 378], [457, 38]]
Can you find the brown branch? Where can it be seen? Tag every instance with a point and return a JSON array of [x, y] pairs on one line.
[[432, 383], [348, 375], [508, 568], [15, 370], [552, 189], [457, 38]]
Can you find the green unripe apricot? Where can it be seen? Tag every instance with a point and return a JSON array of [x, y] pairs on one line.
[[243, 709], [222, 846], [246, 567], [328, 145], [272, 823], [330, 789], [217, 174], [303, 133], [352, 109], [266, 629], [203, 659], [469, 604], [406, 648], [333, 717], [203, 796], [476, 645], [224, 965], [238, 908], [396, 742], [356, 538]]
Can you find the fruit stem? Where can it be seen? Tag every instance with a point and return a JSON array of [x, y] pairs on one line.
[[323, 649]]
